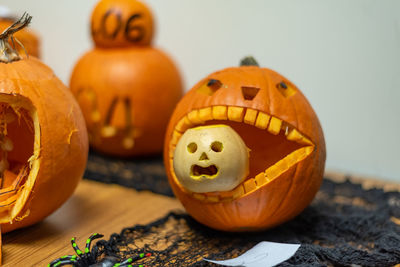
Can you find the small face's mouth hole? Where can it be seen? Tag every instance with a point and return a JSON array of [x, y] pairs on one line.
[[16, 148], [197, 170]]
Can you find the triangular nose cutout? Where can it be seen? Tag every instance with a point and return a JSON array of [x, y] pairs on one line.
[[203, 156], [249, 93]]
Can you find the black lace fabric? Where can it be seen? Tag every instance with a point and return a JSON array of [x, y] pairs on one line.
[[139, 173], [344, 226]]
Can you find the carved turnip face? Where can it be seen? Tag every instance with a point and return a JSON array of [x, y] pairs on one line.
[[211, 158]]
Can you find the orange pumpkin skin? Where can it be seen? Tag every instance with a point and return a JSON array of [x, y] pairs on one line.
[[260, 204], [62, 145], [121, 23], [126, 88], [143, 77], [28, 38]]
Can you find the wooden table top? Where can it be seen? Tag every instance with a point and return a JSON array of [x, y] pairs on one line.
[[94, 208], [101, 208]]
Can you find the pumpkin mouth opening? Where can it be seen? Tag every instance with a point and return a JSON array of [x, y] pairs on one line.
[[17, 155], [208, 172], [282, 146]]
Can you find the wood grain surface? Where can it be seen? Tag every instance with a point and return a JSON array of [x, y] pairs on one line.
[[94, 208]]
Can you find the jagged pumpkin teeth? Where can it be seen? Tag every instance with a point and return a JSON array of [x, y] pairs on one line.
[[213, 198], [238, 192], [294, 135], [260, 179], [176, 137], [305, 141], [262, 120], [251, 116], [199, 196], [220, 113], [275, 126], [235, 114], [205, 114], [250, 185], [194, 117], [182, 125]]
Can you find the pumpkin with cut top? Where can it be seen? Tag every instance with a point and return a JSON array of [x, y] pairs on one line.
[[126, 88], [244, 149], [43, 138]]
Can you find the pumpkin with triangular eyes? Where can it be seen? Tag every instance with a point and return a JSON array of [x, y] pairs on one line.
[[273, 172]]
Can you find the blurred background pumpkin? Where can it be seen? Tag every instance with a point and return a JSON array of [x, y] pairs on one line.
[[126, 88]]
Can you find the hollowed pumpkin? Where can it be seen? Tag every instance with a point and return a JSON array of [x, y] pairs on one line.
[[43, 139], [284, 137], [127, 89]]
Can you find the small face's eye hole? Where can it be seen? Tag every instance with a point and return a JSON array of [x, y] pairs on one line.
[[217, 146], [192, 147]]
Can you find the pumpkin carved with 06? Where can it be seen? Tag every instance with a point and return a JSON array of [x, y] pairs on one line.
[[126, 88], [43, 138], [285, 142]]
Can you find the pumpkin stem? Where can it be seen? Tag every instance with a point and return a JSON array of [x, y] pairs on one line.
[[249, 61], [8, 53]]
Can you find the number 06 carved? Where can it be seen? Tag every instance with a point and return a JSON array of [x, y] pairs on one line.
[[114, 24]]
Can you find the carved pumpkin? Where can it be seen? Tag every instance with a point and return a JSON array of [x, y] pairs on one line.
[[127, 90], [43, 138], [278, 126], [121, 23], [27, 37]]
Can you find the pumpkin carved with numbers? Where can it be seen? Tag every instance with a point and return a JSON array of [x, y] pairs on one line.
[[126, 88], [284, 144]]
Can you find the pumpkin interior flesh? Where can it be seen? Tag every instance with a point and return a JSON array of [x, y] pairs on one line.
[[17, 129], [268, 152], [17, 154], [276, 145]]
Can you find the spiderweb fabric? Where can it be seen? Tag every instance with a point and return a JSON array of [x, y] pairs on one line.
[[138, 173], [344, 226]]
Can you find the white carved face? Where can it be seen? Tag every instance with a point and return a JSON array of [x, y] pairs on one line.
[[211, 158]]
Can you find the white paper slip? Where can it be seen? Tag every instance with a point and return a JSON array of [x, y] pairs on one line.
[[264, 254]]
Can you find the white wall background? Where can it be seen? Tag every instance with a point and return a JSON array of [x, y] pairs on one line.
[[344, 55]]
